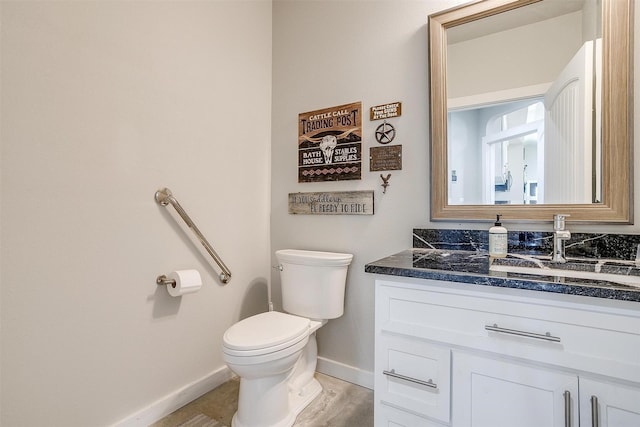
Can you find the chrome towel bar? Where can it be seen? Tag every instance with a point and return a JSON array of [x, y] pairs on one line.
[[165, 197]]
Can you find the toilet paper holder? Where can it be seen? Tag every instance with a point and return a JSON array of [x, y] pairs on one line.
[[164, 280], [181, 282]]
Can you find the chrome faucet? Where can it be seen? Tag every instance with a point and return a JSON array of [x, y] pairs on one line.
[[559, 236]]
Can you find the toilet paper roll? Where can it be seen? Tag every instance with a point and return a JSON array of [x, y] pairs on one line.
[[187, 282]]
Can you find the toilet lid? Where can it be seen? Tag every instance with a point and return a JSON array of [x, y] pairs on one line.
[[265, 330]]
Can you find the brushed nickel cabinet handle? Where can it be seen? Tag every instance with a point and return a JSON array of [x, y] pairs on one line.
[[595, 417], [544, 337], [567, 408], [430, 383]]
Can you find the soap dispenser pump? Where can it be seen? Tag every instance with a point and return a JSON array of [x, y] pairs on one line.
[[498, 242]]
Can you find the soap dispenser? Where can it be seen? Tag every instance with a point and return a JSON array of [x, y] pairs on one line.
[[498, 241]]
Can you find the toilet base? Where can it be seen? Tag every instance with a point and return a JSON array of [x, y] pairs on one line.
[[298, 400], [276, 400]]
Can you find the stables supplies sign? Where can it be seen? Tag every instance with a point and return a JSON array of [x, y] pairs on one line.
[[329, 144]]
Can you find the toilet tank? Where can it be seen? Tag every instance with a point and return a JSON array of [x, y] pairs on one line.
[[313, 282]]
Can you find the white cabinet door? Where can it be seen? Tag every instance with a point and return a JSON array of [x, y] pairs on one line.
[[608, 405], [491, 392]]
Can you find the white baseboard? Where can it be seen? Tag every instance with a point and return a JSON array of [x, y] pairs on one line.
[[345, 372], [176, 399]]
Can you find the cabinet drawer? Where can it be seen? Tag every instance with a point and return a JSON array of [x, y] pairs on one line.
[[386, 416], [467, 318], [414, 376]]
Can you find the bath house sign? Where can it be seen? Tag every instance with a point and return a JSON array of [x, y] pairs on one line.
[[330, 144]]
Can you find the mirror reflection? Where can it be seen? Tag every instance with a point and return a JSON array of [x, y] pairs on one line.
[[523, 100]]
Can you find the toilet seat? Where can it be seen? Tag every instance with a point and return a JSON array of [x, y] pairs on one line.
[[265, 333]]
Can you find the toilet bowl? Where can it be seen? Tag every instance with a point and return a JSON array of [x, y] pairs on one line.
[[275, 353], [265, 338], [262, 350]]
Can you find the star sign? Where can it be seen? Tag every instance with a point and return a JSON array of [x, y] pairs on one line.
[[385, 133]]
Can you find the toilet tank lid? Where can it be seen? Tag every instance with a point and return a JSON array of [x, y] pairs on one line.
[[298, 256], [265, 330]]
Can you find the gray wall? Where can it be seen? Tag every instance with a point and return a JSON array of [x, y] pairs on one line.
[[102, 104], [331, 53]]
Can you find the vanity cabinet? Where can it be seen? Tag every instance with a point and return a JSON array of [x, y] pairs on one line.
[[451, 354]]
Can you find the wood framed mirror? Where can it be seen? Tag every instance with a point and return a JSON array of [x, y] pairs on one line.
[[612, 198]]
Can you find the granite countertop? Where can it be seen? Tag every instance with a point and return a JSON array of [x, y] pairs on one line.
[[473, 267]]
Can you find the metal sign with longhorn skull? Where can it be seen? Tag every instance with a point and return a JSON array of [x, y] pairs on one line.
[[330, 144]]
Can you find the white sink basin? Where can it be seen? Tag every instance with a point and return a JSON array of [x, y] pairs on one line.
[[621, 279]]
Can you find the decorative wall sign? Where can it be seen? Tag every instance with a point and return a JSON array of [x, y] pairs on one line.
[[385, 111], [329, 144], [388, 158], [385, 133], [332, 203]]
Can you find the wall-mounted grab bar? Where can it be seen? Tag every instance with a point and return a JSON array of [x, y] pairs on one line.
[[165, 197]]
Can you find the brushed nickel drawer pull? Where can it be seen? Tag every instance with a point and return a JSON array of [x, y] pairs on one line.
[[545, 337], [430, 383]]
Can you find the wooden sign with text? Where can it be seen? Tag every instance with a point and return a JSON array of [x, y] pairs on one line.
[[332, 203], [385, 111]]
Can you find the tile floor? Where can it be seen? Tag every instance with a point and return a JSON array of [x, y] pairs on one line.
[[341, 404]]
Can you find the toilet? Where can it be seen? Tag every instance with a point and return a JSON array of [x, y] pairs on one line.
[[275, 353]]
